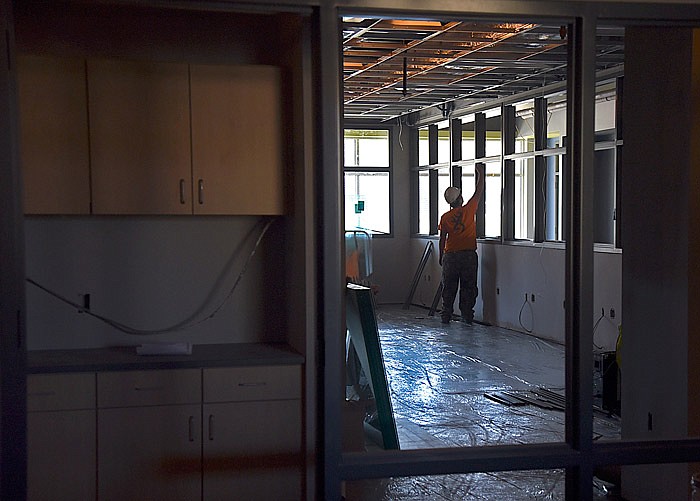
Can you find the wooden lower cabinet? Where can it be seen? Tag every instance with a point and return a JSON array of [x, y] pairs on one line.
[[227, 433], [149, 442], [252, 451], [149, 453], [61, 455], [252, 433], [61, 437]]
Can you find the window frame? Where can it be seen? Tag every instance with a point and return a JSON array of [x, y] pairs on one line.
[[579, 454], [372, 169], [433, 167]]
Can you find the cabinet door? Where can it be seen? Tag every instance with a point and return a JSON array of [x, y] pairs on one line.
[[139, 137], [54, 135], [61, 456], [236, 140], [252, 450], [61, 437], [149, 453]]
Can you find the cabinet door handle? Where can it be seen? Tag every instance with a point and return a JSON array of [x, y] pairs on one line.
[[211, 426], [182, 191], [149, 388], [48, 393], [191, 428], [200, 191], [254, 384]]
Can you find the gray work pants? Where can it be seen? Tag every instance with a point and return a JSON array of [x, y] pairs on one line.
[[459, 270]]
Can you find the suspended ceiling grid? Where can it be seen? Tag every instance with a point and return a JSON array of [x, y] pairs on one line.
[[396, 67]]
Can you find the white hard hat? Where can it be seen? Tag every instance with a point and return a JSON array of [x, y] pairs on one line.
[[451, 194]]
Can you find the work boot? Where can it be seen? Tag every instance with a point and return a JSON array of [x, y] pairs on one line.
[[468, 318]]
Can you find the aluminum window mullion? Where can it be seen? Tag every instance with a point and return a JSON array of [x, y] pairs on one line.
[[508, 207], [579, 254], [414, 462], [456, 152], [432, 144], [479, 157], [456, 176], [619, 163], [455, 140], [540, 208], [479, 136]]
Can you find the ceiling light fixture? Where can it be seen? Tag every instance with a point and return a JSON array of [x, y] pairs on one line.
[[412, 23]]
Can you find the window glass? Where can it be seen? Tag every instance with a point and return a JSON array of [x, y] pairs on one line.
[[444, 142], [493, 143], [604, 192], [367, 189], [366, 148], [468, 151], [468, 182], [366, 201], [423, 148], [423, 202], [556, 122], [554, 198], [524, 198], [492, 190], [525, 126], [493, 133], [605, 112], [443, 184]]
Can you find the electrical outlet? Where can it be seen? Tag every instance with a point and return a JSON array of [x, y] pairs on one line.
[[532, 298], [612, 312], [498, 291]]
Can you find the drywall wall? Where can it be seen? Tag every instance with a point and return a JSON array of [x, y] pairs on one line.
[[153, 273], [657, 264], [506, 274]]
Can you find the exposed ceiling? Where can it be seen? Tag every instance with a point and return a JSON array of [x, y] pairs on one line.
[[395, 67]]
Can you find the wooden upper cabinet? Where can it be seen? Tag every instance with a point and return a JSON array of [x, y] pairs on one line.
[[139, 137], [236, 140], [54, 135], [163, 138]]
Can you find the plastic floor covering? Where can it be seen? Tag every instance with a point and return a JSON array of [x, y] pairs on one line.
[[438, 376]]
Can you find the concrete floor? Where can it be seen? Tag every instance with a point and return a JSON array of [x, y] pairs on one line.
[[437, 376]]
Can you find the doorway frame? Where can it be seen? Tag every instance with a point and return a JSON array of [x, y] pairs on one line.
[[578, 455]]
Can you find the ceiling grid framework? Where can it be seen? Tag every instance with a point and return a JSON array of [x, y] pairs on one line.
[[395, 67]]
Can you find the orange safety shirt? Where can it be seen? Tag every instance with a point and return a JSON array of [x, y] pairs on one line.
[[460, 226]]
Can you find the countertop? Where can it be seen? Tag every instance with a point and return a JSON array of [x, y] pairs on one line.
[[125, 358]]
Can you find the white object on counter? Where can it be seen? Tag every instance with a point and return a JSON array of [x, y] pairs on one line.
[[164, 349]]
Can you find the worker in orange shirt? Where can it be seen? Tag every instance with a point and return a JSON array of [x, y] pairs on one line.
[[458, 257]]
